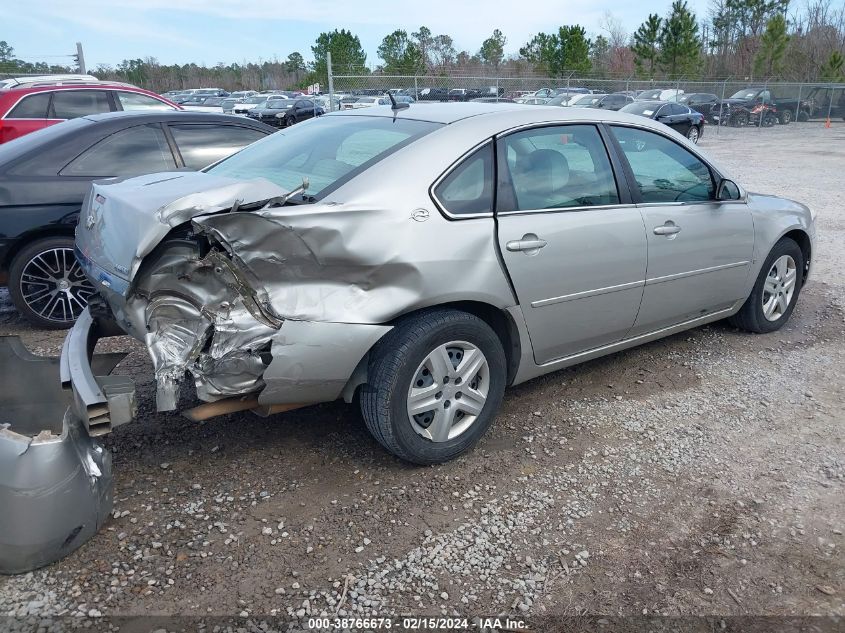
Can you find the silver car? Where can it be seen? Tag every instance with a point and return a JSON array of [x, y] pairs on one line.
[[421, 259]]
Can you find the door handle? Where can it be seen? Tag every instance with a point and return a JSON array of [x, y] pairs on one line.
[[670, 228], [529, 242]]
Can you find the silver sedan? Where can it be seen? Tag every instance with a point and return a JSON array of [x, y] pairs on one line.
[[419, 260]]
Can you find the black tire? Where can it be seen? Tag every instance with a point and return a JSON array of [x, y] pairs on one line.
[[32, 296], [694, 133], [740, 119], [751, 317], [803, 116], [393, 363], [290, 121], [785, 117]]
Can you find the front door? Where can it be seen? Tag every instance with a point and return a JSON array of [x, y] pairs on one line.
[[575, 253], [699, 249]]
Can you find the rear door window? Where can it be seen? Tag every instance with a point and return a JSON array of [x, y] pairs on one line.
[[555, 167], [69, 104], [31, 107], [142, 149], [202, 145]]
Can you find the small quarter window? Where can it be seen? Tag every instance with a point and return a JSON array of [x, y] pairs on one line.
[[468, 189], [31, 107]]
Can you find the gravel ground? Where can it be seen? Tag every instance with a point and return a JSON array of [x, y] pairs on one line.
[[700, 474]]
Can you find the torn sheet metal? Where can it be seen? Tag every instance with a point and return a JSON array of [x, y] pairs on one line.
[[55, 480]]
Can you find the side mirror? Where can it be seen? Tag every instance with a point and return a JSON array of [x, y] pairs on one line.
[[727, 190]]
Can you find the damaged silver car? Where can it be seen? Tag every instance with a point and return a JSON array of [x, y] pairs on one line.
[[419, 260]]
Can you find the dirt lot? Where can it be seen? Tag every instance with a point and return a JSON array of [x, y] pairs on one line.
[[701, 474]]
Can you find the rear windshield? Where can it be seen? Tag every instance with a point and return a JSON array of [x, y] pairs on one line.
[[328, 151]]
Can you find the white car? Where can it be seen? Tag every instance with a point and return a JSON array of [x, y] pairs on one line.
[[365, 102], [249, 103], [660, 94]]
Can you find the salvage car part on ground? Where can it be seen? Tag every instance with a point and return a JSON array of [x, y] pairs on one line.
[[424, 258], [55, 480]]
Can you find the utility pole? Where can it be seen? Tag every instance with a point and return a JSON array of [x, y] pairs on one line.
[[80, 58], [331, 80]]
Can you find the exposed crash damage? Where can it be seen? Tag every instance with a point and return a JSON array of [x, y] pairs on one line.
[[251, 296], [55, 480]]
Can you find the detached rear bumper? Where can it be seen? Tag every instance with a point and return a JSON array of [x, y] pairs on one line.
[[99, 402], [55, 480]]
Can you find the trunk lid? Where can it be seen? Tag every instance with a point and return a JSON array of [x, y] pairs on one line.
[[122, 221]]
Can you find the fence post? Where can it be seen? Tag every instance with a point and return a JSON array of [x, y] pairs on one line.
[[719, 123], [497, 88], [331, 80], [798, 105], [416, 90], [829, 102]]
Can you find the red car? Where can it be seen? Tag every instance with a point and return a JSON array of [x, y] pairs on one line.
[[25, 110]]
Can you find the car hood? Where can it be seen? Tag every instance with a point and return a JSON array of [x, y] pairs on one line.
[[122, 221]]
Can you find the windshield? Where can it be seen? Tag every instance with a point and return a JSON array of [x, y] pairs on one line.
[[255, 100], [279, 103], [650, 94], [744, 94], [328, 151]]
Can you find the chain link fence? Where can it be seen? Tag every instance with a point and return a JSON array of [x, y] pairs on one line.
[[758, 103]]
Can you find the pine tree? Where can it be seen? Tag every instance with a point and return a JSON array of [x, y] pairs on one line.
[[833, 69], [680, 45], [646, 46], [769, 58], [493, 49]]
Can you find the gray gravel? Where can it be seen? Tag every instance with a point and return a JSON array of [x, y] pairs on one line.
[[696, 475]]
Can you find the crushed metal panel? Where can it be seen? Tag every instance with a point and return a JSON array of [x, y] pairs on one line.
[[55, 480]]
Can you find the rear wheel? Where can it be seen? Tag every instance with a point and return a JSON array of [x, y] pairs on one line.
[[775, 292], [785, 117], [435, 384], [694, 133], [47, 284]]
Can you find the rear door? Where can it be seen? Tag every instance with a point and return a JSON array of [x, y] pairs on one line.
[[699, 248], [70, 104], [573, 245]]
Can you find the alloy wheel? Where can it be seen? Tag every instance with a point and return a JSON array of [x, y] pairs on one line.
[[448, 391], [779, 287], [693, 134], [54, 287]]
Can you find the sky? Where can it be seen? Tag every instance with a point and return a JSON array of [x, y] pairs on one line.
[[210, 31]]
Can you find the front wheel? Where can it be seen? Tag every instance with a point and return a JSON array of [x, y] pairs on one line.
[[785, 117], [47, 284], [434, 385], [775, 292]]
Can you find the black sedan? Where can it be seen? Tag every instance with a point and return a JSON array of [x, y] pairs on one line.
[[44, 177], [615, 101], [285, 112], [678, 117]]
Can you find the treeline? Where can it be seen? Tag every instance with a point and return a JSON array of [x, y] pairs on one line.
[[743, 39]]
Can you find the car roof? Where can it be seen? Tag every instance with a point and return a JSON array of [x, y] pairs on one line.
[[156, 116], [496, 115]]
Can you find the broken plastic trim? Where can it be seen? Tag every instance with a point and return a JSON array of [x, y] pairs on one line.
[[55, 480]]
